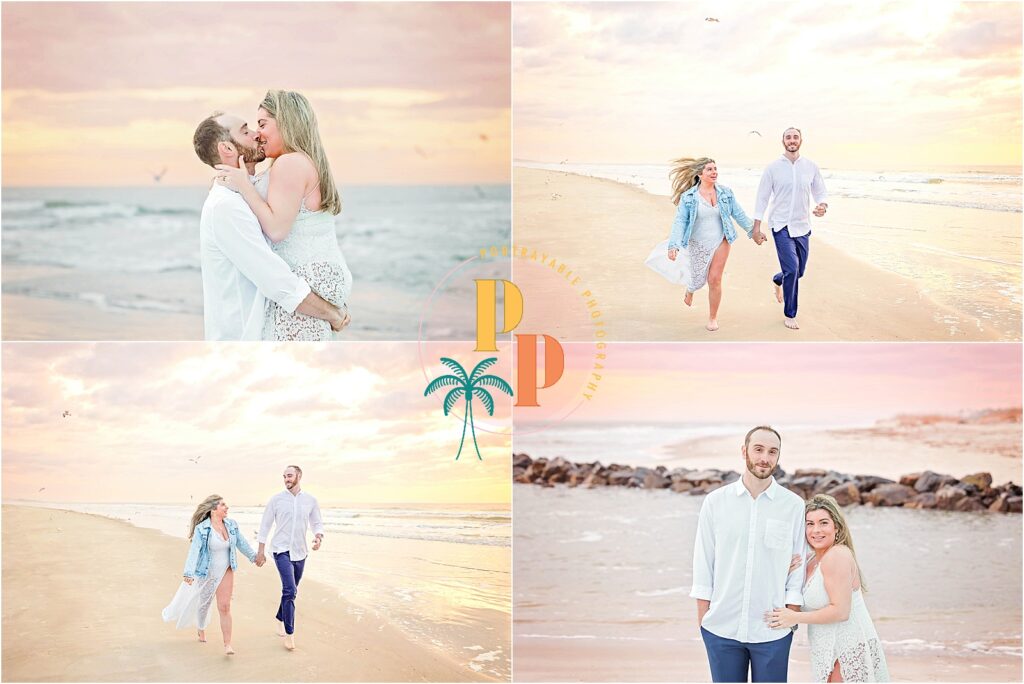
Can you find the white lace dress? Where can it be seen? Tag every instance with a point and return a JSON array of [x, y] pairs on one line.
[[693, 262], [191, 605], [311, 250], [853, 642]]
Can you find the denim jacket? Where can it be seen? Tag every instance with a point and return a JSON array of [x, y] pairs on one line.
[[198, 562], [686, 215]]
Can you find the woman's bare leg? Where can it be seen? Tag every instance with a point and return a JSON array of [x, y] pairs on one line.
[[227, 585], [837, 674], [715, 272]]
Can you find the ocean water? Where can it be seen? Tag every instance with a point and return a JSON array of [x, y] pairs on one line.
[[615, 564], [137, 249], [441, 574], [956, 232]]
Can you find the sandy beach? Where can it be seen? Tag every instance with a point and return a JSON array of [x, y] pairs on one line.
[[604, 230], [89, 610]]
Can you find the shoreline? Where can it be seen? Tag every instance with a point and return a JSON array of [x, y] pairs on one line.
[[615, 225], [90, 632], [927, 489]]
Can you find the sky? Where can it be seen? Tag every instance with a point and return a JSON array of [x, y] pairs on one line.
[[108, 93], [827, 384], [890, 84], [352, 415]]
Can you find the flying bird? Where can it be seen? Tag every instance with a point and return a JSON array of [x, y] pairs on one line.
[[757, 133], [713, 20], [158, 176], [65, 414], [196, 459], [564, 160], [41, 489]]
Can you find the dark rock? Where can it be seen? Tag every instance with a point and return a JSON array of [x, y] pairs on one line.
[[866, 483], [932, 482], [1013, 504], [595, 480], [809, 472], [681, 486], [845, 494], [1000, 505], [910, 480], [730, 476], [968, 505], [889, 495], [948, 497], [620, 477], [703, 476], [521, 461], [656, 481], [925, 500], [778, 473]]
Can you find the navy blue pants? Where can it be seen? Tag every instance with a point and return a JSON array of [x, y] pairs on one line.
[[290, 572], [792, 260], [730, 659]]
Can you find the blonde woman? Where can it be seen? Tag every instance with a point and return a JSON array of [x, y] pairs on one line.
[[844, 644], [209, 570], [702, 231], [296, 202]]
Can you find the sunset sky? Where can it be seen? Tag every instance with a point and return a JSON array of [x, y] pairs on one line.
[[822, 384], [104, 93], [872, 84], [352, 415]]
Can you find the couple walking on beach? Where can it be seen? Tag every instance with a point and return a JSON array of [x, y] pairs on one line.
[[272, 268], [703, 231], [212, 558], [754, 581]]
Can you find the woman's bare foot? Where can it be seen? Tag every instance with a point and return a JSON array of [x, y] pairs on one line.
[[712, 325], [778, 292], [792, 324], [201, 634], [228, 650], [688, 299], [289, 642]]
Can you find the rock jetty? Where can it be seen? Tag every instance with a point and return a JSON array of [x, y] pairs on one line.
[[916, 490]]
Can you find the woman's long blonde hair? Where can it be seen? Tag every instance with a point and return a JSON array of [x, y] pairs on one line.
[[297, 123], [685, 174], [824, 502], [203, 512]]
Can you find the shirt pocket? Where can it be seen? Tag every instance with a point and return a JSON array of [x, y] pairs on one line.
[[776, 534]]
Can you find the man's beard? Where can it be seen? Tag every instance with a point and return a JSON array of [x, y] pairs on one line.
[[751, 466], [252, 155]]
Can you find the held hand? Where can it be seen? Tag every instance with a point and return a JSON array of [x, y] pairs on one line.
[[260, 560], [672, 253], [758, 237], [233, 177], [188, 580], [820, 210], [781, 618], [341, 321]]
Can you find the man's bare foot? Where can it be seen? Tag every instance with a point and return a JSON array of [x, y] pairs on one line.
[[280, 628], [688, 299], [289, 642], [712, 325], [778, 292], [792, 324], [201, 634], [228, 650]]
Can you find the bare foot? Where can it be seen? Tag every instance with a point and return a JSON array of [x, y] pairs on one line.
[[289, 642], [280, 628], [712, 325], [688, 299], [228, 650], [201, 635], [792, 324], [778, 292]]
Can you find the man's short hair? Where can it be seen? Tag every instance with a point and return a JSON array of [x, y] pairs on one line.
[[297, 470], [767, 428], [793, 128], [209, 134]]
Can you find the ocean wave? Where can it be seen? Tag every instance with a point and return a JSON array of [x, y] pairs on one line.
[[426, 536]]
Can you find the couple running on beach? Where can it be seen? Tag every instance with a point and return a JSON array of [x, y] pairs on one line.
[[703, 228], [212, 558], [272, 268], [755, 582]]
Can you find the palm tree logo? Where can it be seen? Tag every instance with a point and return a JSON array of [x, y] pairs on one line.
[[468, 387]]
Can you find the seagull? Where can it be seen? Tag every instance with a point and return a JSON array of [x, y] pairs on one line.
[[713, 20], [757, 133], [158, 176], [196, 459], [65, 414], [41, 489], [564, 160]]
